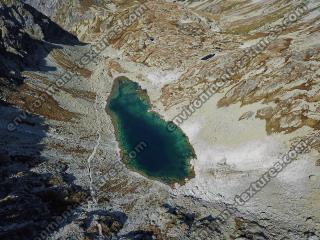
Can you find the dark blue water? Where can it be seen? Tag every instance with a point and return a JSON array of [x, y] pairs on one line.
[[146, 144]]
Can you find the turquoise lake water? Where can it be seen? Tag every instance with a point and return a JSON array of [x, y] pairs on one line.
[[146, 144]]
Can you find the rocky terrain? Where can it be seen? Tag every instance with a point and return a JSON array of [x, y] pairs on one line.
[[61, 172]]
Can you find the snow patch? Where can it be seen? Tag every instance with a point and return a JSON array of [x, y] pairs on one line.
[[160, 78]]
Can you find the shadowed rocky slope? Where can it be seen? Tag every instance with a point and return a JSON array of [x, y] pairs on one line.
[[30, 200]]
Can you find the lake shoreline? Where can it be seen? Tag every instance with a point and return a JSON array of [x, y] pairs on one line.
[[124, 154]]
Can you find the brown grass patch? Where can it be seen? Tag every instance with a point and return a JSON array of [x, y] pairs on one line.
[[91, 96], [85, 5], [246, 25], [25, 98], [67, 64]]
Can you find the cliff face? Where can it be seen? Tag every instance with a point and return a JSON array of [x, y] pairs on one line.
[[27, 38], [61, 172], [30, 199]]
